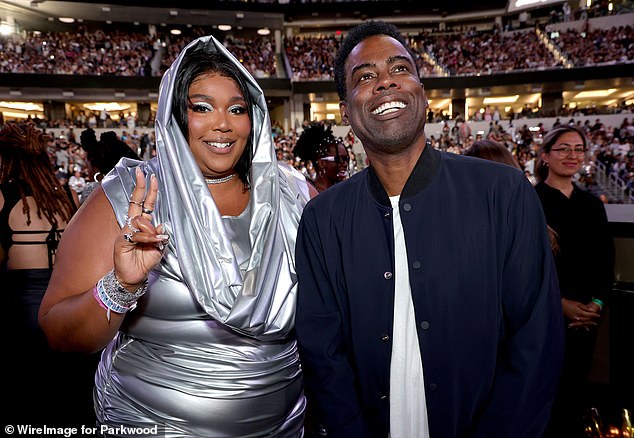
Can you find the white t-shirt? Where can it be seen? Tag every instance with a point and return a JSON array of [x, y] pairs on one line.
[[408, 410]]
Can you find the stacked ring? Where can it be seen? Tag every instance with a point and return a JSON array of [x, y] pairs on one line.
[[140, 204], [128, 222], [147, 211], [128, 237]]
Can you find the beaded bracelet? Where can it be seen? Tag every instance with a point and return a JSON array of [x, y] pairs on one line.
[[598, 302], [114, 296]]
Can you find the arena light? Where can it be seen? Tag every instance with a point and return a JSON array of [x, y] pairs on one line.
[[501, 99], [175, 31], [264, 31], [594, 94], [14, 115], [108, 106], [22, 106], [224, 27], [439, 103], [6, 28], [67, 20]]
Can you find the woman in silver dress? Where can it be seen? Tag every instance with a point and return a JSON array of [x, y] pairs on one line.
[[182, 267]]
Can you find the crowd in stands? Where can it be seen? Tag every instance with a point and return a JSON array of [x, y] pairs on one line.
[[598, 46], [310, 57], [612, 146], [477, 53], [116, 53], [77, 53], [469, 52], [257, 55]]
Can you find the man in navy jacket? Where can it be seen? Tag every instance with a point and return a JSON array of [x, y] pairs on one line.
[[461, 241]]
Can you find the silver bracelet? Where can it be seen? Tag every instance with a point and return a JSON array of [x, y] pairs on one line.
[[115, 296]]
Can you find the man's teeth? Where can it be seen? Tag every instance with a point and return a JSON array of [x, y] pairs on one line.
[[218, 145], [388, 107]]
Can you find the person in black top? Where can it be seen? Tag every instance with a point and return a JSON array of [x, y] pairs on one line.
[[585, 262]]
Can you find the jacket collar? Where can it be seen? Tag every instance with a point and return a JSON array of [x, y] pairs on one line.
[[423, 173]]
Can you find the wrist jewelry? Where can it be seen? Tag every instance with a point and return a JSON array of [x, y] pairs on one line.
[[598, 302], [111, 293]]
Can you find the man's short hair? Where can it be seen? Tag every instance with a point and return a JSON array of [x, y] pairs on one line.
[[354, 37]]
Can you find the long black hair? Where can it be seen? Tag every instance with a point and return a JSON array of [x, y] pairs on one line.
[[199, 61], [105, 153]]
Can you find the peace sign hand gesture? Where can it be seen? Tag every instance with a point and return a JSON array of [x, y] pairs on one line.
[[140, 245]]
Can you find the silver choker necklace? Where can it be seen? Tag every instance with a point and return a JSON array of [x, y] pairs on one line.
[[221, 180]]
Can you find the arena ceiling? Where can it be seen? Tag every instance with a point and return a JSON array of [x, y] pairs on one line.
[[242, 14], [308, 8]]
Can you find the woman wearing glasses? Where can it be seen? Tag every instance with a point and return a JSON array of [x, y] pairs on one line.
[[584, 259]]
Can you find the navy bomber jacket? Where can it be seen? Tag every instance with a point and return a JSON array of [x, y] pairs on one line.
[[484, 287]]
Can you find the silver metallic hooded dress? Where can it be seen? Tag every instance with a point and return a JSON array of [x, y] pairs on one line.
[[209, 351]]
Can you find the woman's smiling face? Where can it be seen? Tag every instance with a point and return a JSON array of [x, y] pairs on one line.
[[218, 122], [566, 156]]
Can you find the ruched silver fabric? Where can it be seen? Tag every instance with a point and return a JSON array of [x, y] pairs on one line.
[[209, 350]]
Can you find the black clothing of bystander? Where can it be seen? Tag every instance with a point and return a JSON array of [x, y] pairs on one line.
[[584, 260], [586, 257]]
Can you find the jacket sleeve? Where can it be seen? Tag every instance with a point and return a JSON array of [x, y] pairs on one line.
[[531, 352], [323, 347]]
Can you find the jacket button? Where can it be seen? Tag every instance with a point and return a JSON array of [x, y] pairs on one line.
[[433, 387], [322, 431], [424, 325], [416, 265], [387, 215], [383, 397], [407, 206], [387, 275], [385, 337]]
